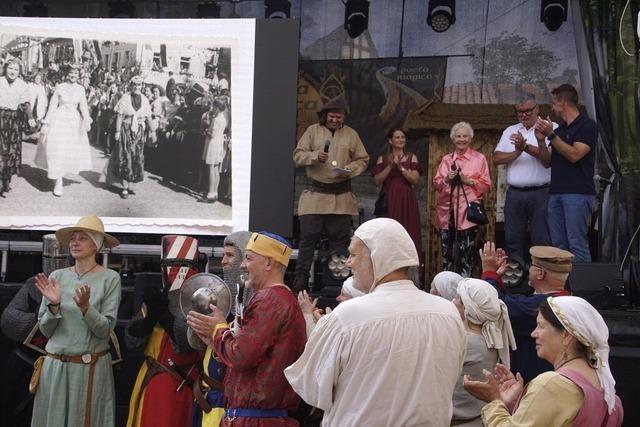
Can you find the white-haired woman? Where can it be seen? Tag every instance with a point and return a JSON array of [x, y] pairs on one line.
[[78, 313], [464, 171], [580, 391], [489, 337]]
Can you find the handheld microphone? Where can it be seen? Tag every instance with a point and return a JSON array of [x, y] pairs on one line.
[[327, 143]]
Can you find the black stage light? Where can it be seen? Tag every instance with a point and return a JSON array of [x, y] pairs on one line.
[[553, 13], [277, 9], [122, 9], [35, 9], [441, 14], [356, 17], [208, 9]]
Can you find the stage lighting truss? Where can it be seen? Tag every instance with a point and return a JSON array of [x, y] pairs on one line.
[[553, 13], [337, 265], [356, 17], [441, 14], [35, 9], [208, 9], [121, 9], [277, 9]]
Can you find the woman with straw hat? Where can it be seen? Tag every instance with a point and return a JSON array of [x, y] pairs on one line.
[[78, 312]]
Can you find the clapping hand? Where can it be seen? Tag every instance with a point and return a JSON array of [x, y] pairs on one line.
[[49, 288], [544, 128], [518, 141], [493, 259], [307, 305], [81, 298], [510, 386], [203, 324], [486, 391]]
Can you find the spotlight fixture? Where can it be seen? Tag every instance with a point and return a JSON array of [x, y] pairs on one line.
[[335, 270], [208, 9], [277, 9], [356, 17], [441, 14], [35, 9], [553, 13], [122, 9]]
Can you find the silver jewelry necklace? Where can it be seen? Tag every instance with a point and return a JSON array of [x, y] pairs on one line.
[[80, 276]]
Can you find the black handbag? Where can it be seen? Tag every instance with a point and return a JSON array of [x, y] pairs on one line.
[[380, 208], [476, 212]]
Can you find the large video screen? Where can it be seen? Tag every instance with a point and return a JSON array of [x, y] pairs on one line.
[[145, 123]]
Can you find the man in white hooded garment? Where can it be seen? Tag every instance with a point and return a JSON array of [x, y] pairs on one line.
[[388, 358]]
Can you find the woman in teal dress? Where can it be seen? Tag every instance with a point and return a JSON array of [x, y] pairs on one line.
[[78, 312]]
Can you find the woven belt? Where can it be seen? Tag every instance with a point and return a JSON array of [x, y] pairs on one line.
[[232, 413], [532, 188], [85, 359], [329, 188]]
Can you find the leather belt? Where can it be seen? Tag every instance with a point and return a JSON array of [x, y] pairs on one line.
[[531, 188], [329, 188], [85, 359]]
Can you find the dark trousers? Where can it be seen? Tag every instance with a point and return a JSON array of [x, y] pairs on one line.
[[337, 229], [522, 209]]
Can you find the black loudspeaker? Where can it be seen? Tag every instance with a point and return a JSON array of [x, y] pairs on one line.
[[599, 283], [624, 363]]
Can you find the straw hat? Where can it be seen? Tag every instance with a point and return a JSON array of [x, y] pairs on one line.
[[87, 223]]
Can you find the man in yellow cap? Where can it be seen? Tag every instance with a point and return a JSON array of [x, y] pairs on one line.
[[272, 336], [548, 273]]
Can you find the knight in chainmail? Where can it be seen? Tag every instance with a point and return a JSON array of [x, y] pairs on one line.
[[18, 320]]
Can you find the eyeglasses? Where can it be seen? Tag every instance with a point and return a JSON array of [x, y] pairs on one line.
[[527, 111]]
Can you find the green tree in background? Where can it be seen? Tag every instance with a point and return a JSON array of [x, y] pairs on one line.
[[511, 58]]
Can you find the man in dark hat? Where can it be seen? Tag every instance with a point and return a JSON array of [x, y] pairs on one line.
[[548, 273], [332, 153]]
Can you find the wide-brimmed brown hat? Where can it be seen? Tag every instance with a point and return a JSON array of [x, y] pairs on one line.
[[87, 223]]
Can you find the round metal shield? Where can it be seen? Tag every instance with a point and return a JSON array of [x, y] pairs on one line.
[[202, 289]]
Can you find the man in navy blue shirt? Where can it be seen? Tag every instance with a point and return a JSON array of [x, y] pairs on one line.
[[572, 194], [548, 274]]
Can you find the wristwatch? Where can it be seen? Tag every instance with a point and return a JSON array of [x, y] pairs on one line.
[[551, 136]]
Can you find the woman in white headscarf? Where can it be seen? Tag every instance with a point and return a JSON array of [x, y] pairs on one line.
[[312, 314], [489, 337], [445, 284], [571, 335]]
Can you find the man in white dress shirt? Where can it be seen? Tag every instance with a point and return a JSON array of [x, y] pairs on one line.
[[391, 357], [528, 179]]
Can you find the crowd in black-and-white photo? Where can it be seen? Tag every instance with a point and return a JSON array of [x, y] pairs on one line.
[[143, 118]]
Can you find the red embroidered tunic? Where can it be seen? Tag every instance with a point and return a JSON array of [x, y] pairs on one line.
[[272, 337]]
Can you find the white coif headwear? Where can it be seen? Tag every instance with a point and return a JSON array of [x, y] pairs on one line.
[[97, 238], [446, 283], [584, 322], [483, 307], [349, 289], [390, 245]]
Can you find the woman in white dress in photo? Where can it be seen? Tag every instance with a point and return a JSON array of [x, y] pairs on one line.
[[64, 144]]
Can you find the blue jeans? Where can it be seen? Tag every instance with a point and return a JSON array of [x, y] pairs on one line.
[[569, 220]]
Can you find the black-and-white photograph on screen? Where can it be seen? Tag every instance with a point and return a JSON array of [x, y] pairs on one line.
[[117, 127]]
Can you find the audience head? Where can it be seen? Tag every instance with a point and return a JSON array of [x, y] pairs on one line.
[[12, 68], [445, 284], [348, 291], [396, 138], [379, 248], [86, 238], [564, 100], [549, 268], [234, 250], [569, 327], [266, 259], [478, 304]]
